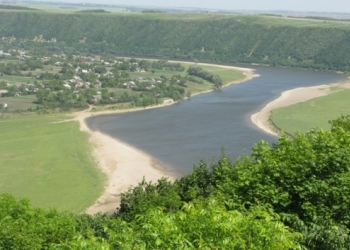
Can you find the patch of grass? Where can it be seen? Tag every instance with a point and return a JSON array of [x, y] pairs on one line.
[[227, 75], [19, 102], [313, 113], [48, 162], [17, 79]]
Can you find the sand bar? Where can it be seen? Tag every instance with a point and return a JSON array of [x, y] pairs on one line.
[[290, 97], [124, 165]]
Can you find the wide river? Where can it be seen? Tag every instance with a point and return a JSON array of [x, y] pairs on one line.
[[180, 135]]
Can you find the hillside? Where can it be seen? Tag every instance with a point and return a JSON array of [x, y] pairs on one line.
[[318, 44]]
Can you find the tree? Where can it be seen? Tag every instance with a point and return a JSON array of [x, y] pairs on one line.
[[206, 225], [24, 227]]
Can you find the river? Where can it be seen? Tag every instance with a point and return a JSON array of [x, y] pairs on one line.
[[180, 135]]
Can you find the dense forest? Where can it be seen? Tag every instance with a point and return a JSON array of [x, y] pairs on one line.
[[247, 39], [294, 194]]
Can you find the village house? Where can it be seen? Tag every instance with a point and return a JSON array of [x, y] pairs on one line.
[[66, 85], [3, 91], [97, 97], [79, 85], [98, 84], [129, 84], [108, 73], [150, 87]]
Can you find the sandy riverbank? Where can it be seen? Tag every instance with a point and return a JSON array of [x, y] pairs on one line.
[[124, 165], [290, 97]]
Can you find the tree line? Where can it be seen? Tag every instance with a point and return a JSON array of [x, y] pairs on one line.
[[199, 72]]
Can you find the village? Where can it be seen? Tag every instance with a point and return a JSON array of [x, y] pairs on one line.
[[59, 80]]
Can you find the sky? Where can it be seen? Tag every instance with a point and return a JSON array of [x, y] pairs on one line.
[[295, 5]]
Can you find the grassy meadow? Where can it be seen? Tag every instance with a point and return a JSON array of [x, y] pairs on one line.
[[19, 102], [48, 161], [312, 113], [17, 79]]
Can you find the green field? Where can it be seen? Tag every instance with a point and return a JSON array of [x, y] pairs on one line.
[[227, 75], [268, 21], [17, 79], [313, 113], [48, 162], [265, 20], [19, 102]]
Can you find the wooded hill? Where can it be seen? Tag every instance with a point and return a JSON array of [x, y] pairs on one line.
[[318, 44]]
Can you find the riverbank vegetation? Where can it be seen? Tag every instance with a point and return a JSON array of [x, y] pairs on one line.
[[260, 201]]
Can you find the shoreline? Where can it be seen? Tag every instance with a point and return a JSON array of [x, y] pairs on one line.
[[289, 97], [123, 164]]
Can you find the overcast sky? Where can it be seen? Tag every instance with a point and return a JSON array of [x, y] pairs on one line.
[[296, 5]]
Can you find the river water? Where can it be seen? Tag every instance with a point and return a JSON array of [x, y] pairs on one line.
[[180, 135]]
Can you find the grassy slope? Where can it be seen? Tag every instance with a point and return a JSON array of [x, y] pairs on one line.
[[50, 163], [313, 113]]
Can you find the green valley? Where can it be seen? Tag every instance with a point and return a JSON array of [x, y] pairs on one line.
[[55, 60]]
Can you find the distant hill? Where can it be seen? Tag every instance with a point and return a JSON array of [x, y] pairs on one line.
[[272, 40], [15, 7]]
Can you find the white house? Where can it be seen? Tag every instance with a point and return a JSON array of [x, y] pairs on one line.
[[67, 86]]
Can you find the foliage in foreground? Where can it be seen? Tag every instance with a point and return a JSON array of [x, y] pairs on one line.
[[201, 225], [292, 195]]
